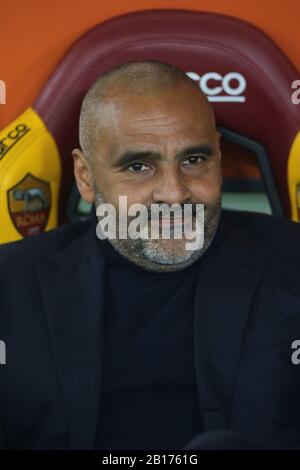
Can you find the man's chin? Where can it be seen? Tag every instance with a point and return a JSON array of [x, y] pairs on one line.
[[158, 255], [168, 252]]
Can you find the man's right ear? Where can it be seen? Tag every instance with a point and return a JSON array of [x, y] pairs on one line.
[[83, 177]]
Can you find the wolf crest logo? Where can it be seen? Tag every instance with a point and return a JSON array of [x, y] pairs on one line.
[[29, 203]]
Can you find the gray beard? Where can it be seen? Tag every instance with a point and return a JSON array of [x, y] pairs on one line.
[[150, 254]]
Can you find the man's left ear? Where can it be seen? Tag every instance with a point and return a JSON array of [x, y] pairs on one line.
[[83, 177], [218, 144], [218, 140]]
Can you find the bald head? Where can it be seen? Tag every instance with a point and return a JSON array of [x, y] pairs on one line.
[[131, 80]]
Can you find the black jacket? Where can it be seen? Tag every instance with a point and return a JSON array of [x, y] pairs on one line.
[[247, 315]]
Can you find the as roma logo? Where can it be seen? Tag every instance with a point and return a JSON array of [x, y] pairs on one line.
[[29, 204]]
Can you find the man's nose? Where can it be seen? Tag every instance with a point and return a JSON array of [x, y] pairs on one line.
[[171, 188]]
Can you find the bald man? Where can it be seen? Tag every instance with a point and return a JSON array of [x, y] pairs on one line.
[[125, 342]]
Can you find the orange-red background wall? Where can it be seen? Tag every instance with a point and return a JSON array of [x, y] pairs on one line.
[[35, 34]]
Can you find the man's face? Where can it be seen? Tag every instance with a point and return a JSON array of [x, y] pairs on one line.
[[160, 149]]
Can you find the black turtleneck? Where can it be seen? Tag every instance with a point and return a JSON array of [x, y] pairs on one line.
[[149, 395]]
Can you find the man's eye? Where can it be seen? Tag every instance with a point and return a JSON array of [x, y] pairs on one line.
[[193, 160], [137, 167]]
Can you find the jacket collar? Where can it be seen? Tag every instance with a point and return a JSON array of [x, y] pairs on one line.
[[226, 283], [71, 283]]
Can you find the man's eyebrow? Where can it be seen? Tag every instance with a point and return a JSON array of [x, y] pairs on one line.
[[195, 150], [129, 157], [132, 156]]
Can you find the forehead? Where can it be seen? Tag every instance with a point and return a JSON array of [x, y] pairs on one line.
[[179, 115]]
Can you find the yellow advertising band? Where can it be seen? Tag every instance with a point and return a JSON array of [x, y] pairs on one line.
[[293, 174], [30, 175]]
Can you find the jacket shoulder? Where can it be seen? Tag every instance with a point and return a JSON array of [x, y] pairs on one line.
[[31, 249], [276, 233]]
